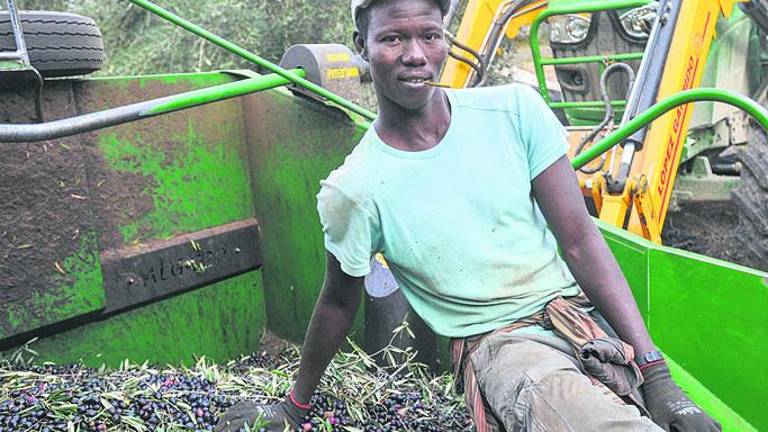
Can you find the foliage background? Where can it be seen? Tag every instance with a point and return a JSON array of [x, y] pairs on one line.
[[138, 42]]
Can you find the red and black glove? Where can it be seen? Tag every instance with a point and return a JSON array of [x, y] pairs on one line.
[[273, 417], [669, 407]]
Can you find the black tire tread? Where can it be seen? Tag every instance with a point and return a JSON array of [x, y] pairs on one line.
[[751, 198], [58, 43]]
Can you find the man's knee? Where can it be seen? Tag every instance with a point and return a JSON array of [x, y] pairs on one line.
[[509, 372], [515, 359], [536, 386]]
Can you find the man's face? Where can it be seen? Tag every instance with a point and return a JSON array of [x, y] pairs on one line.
[[405, 47]]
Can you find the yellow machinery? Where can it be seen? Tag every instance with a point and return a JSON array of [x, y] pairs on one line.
[[633, 188]]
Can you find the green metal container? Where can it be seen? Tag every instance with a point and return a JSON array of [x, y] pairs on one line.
[[90, 213]]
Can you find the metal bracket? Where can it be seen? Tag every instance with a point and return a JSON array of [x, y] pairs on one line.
[[614, 208], [738, 124], [644, 205], [133, 276], [21, 56], [597, 189]]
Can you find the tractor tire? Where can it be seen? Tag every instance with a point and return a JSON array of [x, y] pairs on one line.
[[58, 43], [751, 199]]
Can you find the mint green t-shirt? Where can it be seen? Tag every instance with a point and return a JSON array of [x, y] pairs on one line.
[[457, 223]]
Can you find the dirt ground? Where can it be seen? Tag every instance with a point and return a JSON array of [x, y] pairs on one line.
[[273, 345], [709, 229]]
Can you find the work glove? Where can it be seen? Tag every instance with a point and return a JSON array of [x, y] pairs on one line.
[[669, 407], [277, 417]]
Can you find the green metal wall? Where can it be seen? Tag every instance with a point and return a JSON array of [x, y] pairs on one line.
[[294, 143], [263, 156], [709, 317], [145, 183], [219, 321]]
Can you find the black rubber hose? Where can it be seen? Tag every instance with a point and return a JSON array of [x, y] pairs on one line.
[[478, 67], [609, 114], [498, 27]]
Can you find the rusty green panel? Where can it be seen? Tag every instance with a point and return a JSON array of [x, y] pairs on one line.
[[710, 317], [159, 84], [146, 181], [219, 321], [186, 187], [49, 255], [172, 174], [79, 292], [294, 143]]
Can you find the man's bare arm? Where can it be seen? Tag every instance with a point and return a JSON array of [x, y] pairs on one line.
[[557, 192], [328, 327], [334, 312]]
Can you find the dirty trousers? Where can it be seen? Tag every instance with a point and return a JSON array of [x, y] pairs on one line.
[[533, 383]]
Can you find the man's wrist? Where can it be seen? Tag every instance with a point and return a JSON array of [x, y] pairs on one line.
[[649, 359], [292, 398]]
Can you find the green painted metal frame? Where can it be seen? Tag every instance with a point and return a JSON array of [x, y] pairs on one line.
[[562, 7], [184, 172], [660, 278], [708, 318], [588, 104], [591, 59], [140, 110], [646, 117]]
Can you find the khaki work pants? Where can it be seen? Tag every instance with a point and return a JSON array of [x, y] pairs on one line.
[[533, 383]]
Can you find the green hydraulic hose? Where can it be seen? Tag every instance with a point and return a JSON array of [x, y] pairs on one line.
[[563, 8], [646, 117], [242, 52]]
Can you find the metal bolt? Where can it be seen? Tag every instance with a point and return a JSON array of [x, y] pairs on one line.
[[237, 250]]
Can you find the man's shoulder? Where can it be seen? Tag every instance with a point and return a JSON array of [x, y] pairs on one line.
[[354, 177], [504, 98]]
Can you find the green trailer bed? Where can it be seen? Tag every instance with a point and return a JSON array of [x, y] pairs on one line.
[[182, 182]]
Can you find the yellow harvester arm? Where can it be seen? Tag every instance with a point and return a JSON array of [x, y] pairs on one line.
[[663, 146], [475, 32], [647, 189]]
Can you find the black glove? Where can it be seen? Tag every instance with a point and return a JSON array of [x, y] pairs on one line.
[[670, 408], [273, 417]]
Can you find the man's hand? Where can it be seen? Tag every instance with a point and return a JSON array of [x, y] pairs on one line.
[[274, 417], [670, 408]]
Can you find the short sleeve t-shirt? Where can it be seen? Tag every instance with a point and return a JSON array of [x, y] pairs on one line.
[[457, 223]]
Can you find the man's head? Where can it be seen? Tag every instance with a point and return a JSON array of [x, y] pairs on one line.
[[403, 42], [360, 13]]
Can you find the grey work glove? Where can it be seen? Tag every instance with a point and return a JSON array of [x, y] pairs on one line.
[[670, 408], [272, 417]]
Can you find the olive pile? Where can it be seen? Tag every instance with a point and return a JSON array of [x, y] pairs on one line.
[[75, 398], [399, 412]]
